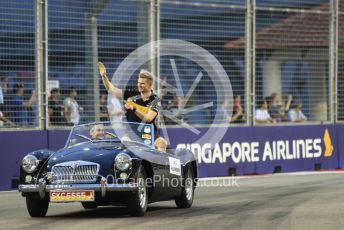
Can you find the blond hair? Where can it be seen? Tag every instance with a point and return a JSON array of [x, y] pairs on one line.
[[146, 75]]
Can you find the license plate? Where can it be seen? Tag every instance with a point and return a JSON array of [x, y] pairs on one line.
[[72, 196]]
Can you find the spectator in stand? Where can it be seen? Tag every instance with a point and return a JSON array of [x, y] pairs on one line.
[[223, 115], [7, 97], [72, 109], [173, 110], [115, 108], [295, 114], [56, 108], [237, 116], [103, 111], [171, 102], [262, 115], [279, 108], [19, 107], [3, 91], [4, 121], [32, 110], [268, 100]]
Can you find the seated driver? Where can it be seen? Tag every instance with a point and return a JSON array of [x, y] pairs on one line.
[[97, 131]]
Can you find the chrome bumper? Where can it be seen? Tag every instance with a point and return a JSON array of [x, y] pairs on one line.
[[103, 187]]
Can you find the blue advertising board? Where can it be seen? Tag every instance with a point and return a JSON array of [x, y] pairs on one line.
[[252, 150], [243, 150]]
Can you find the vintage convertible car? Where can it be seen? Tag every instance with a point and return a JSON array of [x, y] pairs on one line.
[[108, 164]]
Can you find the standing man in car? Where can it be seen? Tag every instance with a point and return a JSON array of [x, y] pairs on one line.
[[143, 96]]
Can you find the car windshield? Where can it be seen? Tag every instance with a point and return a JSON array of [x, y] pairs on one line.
[[96, 132]]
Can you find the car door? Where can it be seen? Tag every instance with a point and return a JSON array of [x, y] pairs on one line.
[[159, 164], [174, 174]]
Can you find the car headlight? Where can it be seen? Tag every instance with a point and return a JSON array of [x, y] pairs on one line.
[[30, 163], [122, 161]]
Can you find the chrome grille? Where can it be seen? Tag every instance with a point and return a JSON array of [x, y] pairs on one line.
[[75, 172]]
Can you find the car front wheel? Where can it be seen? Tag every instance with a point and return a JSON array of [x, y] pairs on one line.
[[138, 201], [36, 207], [186, 198]]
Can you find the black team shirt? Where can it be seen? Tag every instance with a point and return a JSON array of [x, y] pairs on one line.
[[153, 102]]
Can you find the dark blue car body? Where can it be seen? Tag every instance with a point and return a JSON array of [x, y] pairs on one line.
[[74, 164]]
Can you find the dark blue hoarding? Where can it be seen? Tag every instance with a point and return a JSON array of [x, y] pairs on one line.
[[241, 150]]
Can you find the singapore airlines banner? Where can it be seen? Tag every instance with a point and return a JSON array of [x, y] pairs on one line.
[[244, 150], [251, 150]]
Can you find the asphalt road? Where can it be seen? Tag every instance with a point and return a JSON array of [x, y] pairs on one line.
[[310, 202]]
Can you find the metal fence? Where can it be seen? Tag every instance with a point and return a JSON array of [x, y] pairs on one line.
[[338, 99], [285, 53], [18, 100]]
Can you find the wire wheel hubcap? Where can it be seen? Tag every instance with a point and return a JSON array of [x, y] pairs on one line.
[[189, 186], [142, 193]]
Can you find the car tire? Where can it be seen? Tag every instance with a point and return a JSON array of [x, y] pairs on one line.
[[185, 200], [89, 205], [138, 201], [36, 207]]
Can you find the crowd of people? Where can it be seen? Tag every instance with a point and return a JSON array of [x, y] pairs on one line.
[[18, 108], [66, 112], [275, 110]]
